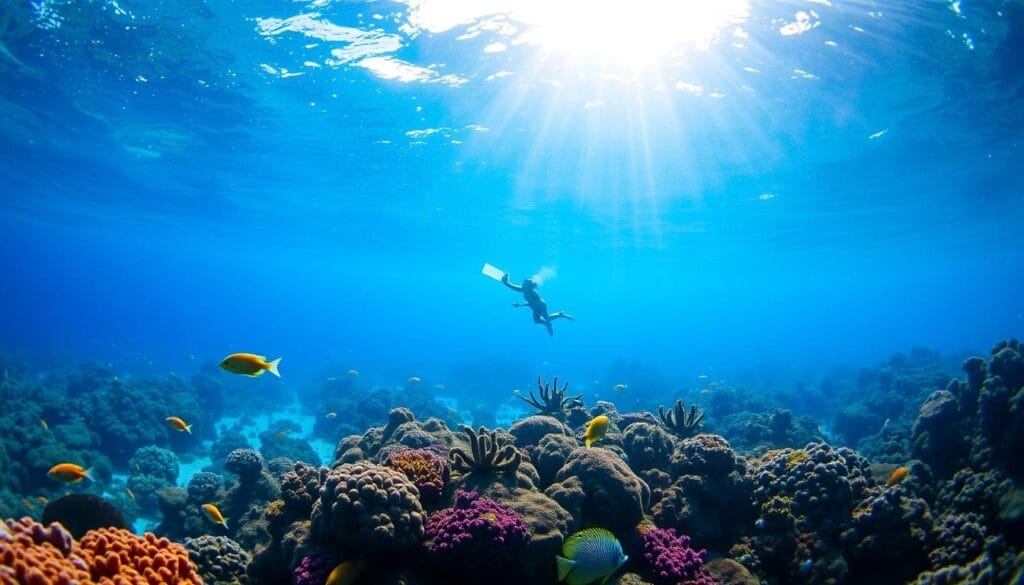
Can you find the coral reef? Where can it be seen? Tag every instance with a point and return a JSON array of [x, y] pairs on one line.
[[599, 489], [218, 559], [487, 455], [367, 508], [315, 567], [152, 469], [37, 554], [553, 400], [474, 537], [428, 471], [648, 446], [203, 486], [530, 430], [116, 555], [681, 423], [247, 464], [669, 559]]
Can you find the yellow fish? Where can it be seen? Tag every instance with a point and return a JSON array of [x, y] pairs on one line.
[[345, 574], [130, 494], [42, 500], [898, 475], [620, 387], [69, 473], [213, 513], [331, 415], [596, 429], [353, 373], [250, 364], [415, 379], [178, 424], [42, 423]]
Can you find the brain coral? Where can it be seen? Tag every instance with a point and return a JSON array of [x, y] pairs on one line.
[[117, 556], [428, 471], [599, 489], [477, 534], [218, 559], [367, 508], [33, 553]]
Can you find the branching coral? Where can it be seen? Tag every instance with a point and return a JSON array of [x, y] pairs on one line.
[[487, 454], [678, 421], [477, 534], [553, 400], [428, 471]]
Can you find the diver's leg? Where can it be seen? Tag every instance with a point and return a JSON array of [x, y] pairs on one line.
[[550, 330]]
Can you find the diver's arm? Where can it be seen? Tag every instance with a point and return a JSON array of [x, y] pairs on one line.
[[515, 287]]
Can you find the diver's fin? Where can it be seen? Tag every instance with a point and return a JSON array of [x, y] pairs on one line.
[[272, 367]]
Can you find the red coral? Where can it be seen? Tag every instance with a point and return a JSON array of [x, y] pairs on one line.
[[425, 469]]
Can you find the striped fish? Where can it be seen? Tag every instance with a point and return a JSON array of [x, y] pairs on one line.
[[589, 555]]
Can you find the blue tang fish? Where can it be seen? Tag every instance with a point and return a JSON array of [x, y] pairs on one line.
[[588, 556]]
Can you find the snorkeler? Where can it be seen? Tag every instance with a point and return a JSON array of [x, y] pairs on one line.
[[537, 304]]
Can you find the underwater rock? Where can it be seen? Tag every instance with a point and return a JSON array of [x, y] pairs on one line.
[[599, 489], [80, 513], [937, 438], [729, 572]]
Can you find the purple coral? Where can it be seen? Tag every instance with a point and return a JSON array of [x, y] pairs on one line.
[[670, 559], [475, 535], [315, 567]]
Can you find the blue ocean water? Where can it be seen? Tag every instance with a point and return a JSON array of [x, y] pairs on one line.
[[800, 216]]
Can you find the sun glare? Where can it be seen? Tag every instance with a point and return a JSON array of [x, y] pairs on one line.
[[633, 32]]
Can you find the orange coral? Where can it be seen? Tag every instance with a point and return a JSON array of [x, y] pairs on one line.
[[118, 557], [31, 554]]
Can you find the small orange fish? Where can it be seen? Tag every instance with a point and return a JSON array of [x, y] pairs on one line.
[[250, 364], [897, 476], [42, 423], [69, 473], [213, 513], [129, 493], [42, 500], [178, 424]]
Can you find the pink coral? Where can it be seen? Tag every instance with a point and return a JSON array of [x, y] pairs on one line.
[[670, 559], [427, 471], [477, 534]]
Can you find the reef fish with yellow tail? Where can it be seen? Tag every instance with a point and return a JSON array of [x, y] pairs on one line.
[[345, 574], [590, 555], [69, 473], [250, 364], [897, 476], [213, 513], [178, 424], [596, 429]]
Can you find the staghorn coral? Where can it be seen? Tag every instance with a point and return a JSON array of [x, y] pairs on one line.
[[669, 559], [367, 508], [599, 489], [553, 400], [116, 555], [31, 553], [476, 536], [487, 454], [218, 559], [428, 471], [679, 422], [80, 513]]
